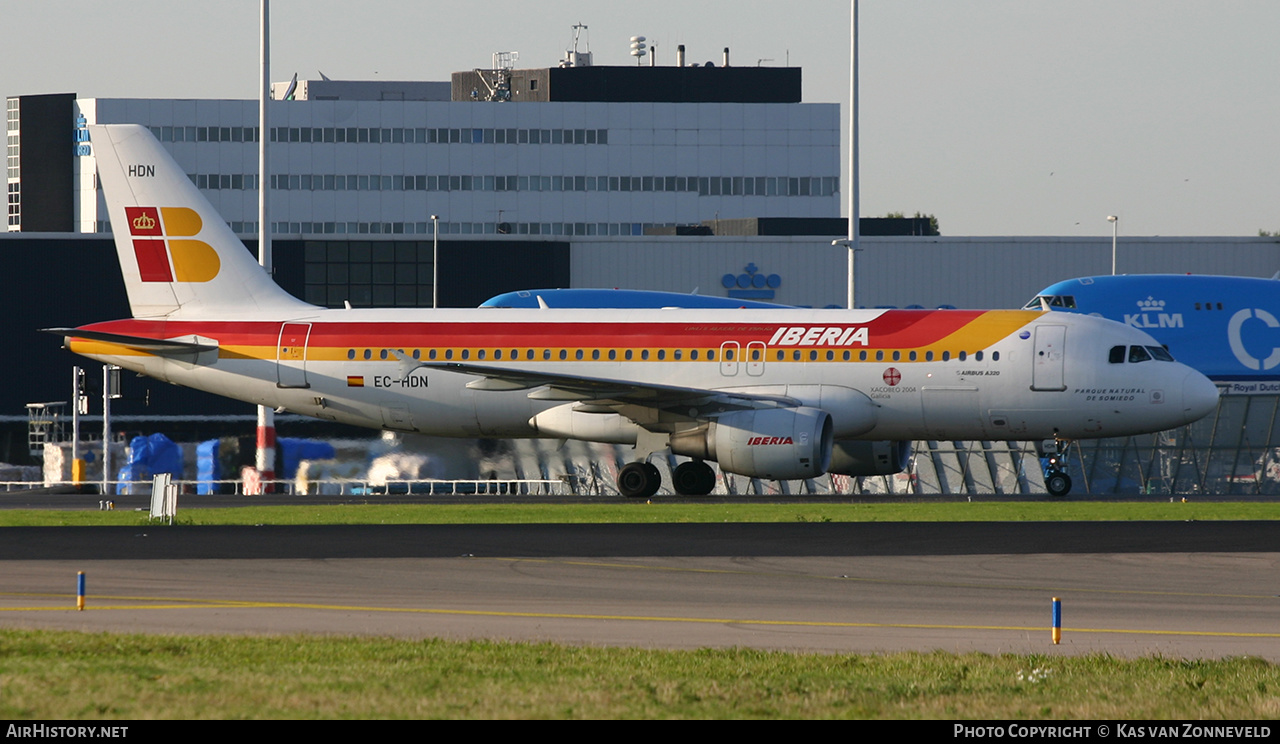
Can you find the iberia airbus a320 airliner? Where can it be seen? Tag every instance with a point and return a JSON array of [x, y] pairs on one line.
[[767, 393]]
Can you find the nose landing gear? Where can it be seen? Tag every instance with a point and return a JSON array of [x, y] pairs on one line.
[[1053, 460]]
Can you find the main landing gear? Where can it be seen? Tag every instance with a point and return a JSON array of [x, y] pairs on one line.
[[693, 478], [640, 480], [1053, 459]]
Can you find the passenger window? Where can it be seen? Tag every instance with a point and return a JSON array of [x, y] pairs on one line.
[[1117, 355], [1138, 354]]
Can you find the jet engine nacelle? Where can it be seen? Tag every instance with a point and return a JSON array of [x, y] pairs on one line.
[[851, 457], [772, 443]]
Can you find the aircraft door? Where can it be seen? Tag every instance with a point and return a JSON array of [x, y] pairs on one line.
[[729, 352], [1050, 358], [291, 355], [755, 358]]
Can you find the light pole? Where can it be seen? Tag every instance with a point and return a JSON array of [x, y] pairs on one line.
[[855, 232], [1115, 223], [435, 260]]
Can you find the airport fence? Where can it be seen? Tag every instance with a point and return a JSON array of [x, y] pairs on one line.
[[316, 487]]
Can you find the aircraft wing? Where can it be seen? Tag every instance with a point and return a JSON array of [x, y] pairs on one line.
[[608, 393]]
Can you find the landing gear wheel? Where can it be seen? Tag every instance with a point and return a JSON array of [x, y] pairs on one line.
[[693, 478], [1058, 484], [639, 480]]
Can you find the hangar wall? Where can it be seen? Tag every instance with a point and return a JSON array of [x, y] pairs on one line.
[[964, 272]]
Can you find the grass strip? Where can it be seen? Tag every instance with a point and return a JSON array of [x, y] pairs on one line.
[[658, 512], [57, 675]]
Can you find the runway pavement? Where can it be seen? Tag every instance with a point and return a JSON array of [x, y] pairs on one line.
[[1189, 589]]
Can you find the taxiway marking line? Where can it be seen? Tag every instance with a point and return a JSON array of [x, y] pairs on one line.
[[232, 604], [892, 582]]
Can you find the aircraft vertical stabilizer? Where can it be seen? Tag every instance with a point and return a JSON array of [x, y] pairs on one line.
[[179, 258]]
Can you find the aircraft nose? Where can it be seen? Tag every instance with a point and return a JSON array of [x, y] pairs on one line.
[[1199, 396]]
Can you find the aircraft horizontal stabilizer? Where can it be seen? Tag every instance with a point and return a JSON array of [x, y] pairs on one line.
[[142, 343]]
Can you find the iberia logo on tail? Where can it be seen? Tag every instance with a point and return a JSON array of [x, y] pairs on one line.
[[162, 245]]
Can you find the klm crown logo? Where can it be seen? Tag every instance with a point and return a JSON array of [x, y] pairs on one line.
[[1151, 314], [751, 285]]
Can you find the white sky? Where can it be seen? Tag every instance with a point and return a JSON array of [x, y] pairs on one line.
[[1000, 117]]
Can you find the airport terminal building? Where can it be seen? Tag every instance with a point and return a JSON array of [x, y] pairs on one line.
[[718, 180]]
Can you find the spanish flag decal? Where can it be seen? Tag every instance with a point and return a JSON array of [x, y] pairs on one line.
[[355, 380]]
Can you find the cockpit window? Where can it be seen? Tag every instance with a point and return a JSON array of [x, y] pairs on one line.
[[1160, 353], [1117, 355], [1139, 354], [1066, 302]]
